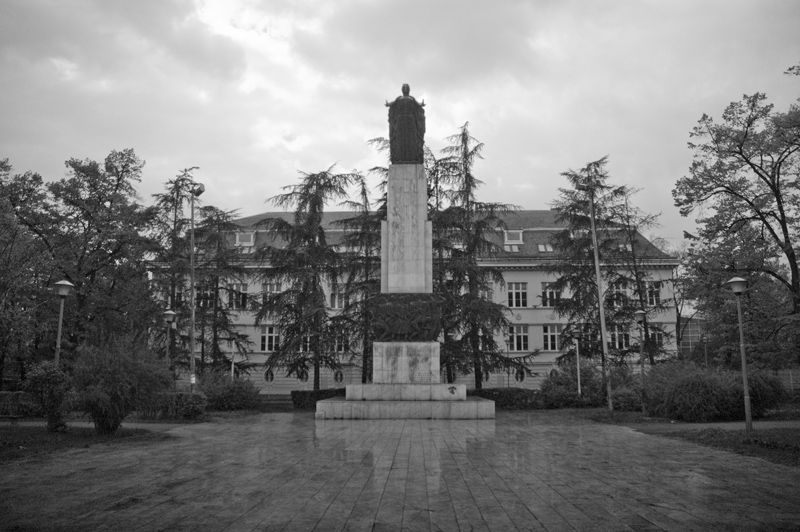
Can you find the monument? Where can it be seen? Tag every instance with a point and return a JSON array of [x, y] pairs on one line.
[[406, 315]]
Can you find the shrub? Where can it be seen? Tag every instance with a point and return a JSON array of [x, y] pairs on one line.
[[111, 383], [766, 391], [223, 394], [627, 399], [19, 403], [307, 399], [49, 386], [173, 405], [699, 397], [660, 379], [560, 388], [511, 398]]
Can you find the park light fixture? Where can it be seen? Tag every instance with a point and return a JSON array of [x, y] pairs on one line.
[[639, 316], [169, 318], [63, 289], [738, 287]]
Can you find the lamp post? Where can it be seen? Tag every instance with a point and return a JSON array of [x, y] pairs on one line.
[[578, 364], [590, 188], [738, 286], [639, 315], [195, 191], [63, 289], [169, 318]]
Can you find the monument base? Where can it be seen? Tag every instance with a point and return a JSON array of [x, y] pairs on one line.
[[471, 408]]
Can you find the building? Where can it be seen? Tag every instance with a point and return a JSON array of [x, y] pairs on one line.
[[526, 263]]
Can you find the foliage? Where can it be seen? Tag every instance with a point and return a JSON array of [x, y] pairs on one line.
[[464, 231], [510, 398], [111, 381], [307, 399], [173, 405], [92, 231], [224, 394], [744, 174], [680, 390], [627, 399], [19, 403], [49, 385], [301, 263], [220, 273], [560, 388]]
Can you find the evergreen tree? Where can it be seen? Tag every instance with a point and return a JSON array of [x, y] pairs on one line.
[[302, 262]]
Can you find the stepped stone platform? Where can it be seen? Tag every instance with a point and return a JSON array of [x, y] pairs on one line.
[[468, 408]]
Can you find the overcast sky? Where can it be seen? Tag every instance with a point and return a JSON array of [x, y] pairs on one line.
[[254, 91]]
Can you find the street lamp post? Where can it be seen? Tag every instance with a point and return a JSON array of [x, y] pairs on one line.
[[578, 364], [738, 286], [169, 318], [639, 315], [63, 289], [196, 190]]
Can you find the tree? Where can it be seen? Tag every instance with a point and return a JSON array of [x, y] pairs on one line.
[[746, 172], [464, 236], [93, 231], [303, 262], [361, 257], [623, 253], [221, 291]]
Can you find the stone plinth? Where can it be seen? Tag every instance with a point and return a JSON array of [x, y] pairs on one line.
[[406, 392], [471, 408], [405, 362]]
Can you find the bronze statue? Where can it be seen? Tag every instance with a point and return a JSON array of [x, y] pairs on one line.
[[406, 129]]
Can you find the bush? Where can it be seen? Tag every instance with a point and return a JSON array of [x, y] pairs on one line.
[[19, 403], [111, 383], [49, 386], [223, 394], [627, 399], [511, 398], [690, 393], [560, 388], [173, 405], [307, 399]]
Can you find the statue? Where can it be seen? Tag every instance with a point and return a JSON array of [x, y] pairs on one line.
[[406, 129]]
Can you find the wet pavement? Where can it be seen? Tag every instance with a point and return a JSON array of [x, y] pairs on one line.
[[522, 471]]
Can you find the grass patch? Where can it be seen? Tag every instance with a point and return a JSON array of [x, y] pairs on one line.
[[25, 442], [779, 446]]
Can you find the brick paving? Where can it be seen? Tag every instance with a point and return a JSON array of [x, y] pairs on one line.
[[522, 471]]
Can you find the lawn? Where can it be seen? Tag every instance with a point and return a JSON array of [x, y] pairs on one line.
[[25, 441], [777, 445]]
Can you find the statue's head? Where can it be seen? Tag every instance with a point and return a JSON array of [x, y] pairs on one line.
[[406, 89]]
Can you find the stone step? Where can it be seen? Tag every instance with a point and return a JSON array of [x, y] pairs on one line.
[[472, 408], [406, 392]]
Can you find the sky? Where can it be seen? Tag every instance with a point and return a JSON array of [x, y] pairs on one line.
[[255, 92]]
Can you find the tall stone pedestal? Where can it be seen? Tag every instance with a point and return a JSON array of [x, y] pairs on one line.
[[405, 362]]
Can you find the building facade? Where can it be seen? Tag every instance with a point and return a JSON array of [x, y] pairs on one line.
[[527, 264]]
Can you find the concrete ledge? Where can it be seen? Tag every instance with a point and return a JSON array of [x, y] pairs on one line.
[[406, 392], [472, 408]]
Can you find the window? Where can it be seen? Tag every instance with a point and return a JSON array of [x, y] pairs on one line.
[[270, 288], [624, 247], [512, 241], [302, 375], [341, 344], [654, 293], [269, 338], [203, 297], [620, 339], [305, 344], [550, 337], [545, 248], [337, 298], [269, 375], [237, 296], [550, 296], [245, 239], [518, 338], [338, 376], [513, 237], [619, 293], [517, 295], [519, 375]]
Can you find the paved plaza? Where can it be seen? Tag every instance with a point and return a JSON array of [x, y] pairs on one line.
[[522, 471]]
